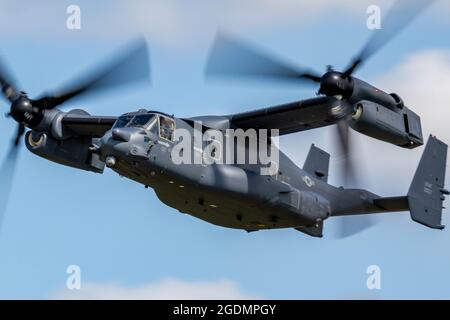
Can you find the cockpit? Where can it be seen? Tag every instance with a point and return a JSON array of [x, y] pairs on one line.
[[160, 125]]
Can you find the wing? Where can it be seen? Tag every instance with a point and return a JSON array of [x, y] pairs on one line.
[[87, 125], [291, 117]]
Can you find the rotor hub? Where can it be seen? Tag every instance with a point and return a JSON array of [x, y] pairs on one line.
[[334, 83], [23, 111]]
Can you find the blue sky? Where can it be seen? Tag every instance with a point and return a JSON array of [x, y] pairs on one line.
[[127, 243]]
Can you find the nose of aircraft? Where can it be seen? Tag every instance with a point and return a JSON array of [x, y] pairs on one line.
[[121, 143], [121, 134]]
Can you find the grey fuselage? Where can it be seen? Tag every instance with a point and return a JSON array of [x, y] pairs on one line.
[[229, 195]]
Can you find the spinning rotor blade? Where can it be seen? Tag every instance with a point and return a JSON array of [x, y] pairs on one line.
[[343, 134], [343, 110], [350, 225], [232, 58], [7, 175], [7, 83], [19, 134], [130, 67], [401, 14]]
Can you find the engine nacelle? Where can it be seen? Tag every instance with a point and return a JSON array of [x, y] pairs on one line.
[[400, 126], [72, 152]]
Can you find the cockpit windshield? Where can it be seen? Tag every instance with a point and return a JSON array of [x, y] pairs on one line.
[[159, 125], [122, 121], [140, 120]]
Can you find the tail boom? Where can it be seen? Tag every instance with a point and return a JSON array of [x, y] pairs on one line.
[[424, 199]]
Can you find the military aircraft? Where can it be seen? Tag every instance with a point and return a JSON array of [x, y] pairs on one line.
[[143, 145]]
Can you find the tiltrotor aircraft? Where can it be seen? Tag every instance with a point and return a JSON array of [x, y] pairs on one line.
[[139, 145]]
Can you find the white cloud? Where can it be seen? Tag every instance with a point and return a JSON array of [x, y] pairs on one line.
[[173, 22], [176, 23], [164, 289], [423, 81]]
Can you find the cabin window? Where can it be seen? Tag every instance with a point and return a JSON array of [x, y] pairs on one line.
[[166, 128], [152, 126]]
